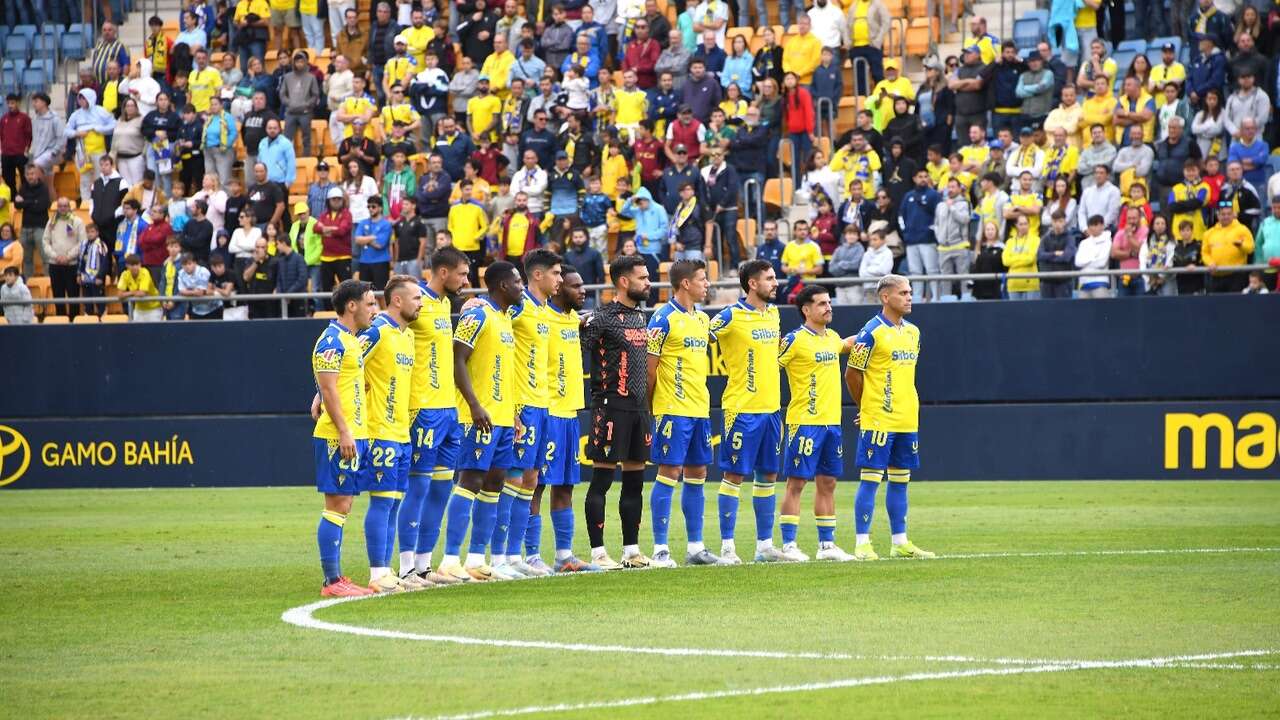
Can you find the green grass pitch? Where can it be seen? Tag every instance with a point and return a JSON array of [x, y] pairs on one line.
[[168, 604]]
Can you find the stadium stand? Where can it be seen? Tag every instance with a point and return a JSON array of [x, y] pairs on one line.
[[904, 83]]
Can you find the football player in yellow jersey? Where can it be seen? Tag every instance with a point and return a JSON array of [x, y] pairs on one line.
[[435, 434], [560, 468], [881, 377], [341, 437], [814, 442], [388, 370], [532, 328], [748, 333], [484, 368], [681, 406]]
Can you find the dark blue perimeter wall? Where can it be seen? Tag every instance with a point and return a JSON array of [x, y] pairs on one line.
[[1121, 389]]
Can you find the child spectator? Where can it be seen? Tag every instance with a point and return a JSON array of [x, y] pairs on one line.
[[823, 227], [168, 286], [595, 215], [160, 160], [178, 211], [91, 271], [1187, 254], [1094, 253], [612, 168], [193, 282], [135, 282], [876, 262], [1255, 286], [15, 289], [828, 81], [846, 261], [1157, 253]]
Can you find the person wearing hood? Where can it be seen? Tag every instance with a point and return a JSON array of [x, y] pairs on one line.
[[898, 171], [905, 126], [299, 95], [652, 226], [88, 126], [1208, 72], [141, 86], [48, 134], [884, 94]]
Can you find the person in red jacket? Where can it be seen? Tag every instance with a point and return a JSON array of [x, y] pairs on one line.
[[797, 118], [642, 56], [334, 226], [15, 142], [152, 243]]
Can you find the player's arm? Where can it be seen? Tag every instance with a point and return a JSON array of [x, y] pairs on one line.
[[853, 381], [658, 329], [859, 356], [328, 383], [479, 416]]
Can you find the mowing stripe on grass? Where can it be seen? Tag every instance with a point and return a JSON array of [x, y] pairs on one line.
[[1159, 662], [304, 616]]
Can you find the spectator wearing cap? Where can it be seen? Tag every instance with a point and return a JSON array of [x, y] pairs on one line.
[[969, 83], [1169, 70], [1007, 103], [894, 85], [373, 237], [299, 97], [802, 52], [1226, 245], [484, 111], [680, 171], [1208, 71], [868, 21], [1208, 22], [685, 132], [334, 226], [400, 67], [1035, 89], [306, 241], [318, 191]]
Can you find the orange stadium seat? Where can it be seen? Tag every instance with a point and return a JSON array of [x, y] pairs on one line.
[[896, 8], [85, 319], [56, 320], [777, 192], [115, 318]]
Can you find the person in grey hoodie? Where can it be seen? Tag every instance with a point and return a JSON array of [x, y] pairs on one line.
[[845, 262], [1247, 102], [1136, 156], [299, 96], [951, 228], [1035, 87], [1057, 252], [48, 143], [14, 289]]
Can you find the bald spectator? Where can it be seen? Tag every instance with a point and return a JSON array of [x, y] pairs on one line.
[[64, 235], [109, 49]]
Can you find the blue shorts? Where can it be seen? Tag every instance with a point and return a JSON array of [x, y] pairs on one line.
[[679, 440], [814, 450], [881, 450], [335, 476], [530, 445], [435, 436], [485, 451], [563, 439], [752, 443], [386, 467]]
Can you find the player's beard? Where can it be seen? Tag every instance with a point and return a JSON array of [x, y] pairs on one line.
[[636, 295]]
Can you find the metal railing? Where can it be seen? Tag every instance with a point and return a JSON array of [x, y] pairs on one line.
[[868, 78], [597, 290], [752, 190], [825, 111]]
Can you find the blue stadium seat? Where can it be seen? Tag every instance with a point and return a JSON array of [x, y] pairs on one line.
[[1027, 32], [46, 48], [90, 35], [1124, 58], [1157, 43], [8, 76], [1038, 14], [34, 80], [26, 30], [17, 47], [4, 34], [73, 45], [48, 67], [1137, 46]]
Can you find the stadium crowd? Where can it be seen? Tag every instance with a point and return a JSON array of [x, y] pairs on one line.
[[286, 145]]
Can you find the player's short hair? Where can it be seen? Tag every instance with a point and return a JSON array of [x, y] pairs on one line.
[[682, 270], [623, 266], [749, 270], [349, 291], [496, 273], [889, 282], [566, 269], [448, 257], [805, 297], [395, 283], [541, 258]]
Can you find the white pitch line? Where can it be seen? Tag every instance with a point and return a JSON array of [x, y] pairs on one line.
[[845, 683], [304, 616]]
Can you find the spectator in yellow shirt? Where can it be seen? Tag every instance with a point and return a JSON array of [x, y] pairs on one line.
[[1227, 244], [467, 226], [203, 82], [483, 112], [802, 256], [497, 67], [802, 52], [881, 100], [417, 37]]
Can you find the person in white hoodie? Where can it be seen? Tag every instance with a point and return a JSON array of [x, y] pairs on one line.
[[141, 86], [877, 262], [88, 126], [1093, 252]]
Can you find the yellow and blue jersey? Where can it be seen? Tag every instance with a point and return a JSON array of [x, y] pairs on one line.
[[487, 331], [679, 339], [338, 351], [564, 364], [812, 363], [749, 341], [887, 355], [532, 327], [432, 385], [388, 373]]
